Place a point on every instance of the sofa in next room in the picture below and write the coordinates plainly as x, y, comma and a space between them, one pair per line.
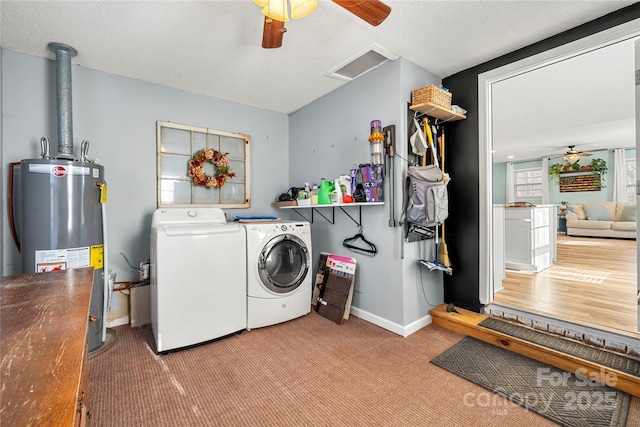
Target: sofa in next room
602, 219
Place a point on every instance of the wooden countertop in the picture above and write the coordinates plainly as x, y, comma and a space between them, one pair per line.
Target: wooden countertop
43, 326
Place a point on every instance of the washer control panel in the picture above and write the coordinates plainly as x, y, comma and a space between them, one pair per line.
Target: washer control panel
290, 227
166, 216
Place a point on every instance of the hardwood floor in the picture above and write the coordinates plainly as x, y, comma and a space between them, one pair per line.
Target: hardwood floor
592, 283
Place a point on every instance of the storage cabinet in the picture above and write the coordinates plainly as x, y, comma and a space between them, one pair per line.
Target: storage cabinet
530, 238
44, 348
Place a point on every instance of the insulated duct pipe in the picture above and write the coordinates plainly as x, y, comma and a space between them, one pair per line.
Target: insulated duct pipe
64, 54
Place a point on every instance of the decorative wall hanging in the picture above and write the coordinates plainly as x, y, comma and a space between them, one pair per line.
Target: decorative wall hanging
575, 183
215, 158
202, 167
596, 171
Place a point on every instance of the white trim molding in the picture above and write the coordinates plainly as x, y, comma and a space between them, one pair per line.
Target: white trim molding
403, 331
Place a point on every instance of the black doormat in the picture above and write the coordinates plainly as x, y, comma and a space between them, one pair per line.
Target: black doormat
602, 357
559, 396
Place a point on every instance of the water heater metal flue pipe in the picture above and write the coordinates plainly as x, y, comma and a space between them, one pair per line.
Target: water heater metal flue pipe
64, 54
61, 207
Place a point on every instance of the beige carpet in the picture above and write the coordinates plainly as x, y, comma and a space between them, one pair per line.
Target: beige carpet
306, 372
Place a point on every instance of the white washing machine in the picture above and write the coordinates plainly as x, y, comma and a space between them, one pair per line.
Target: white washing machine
198, 277
279, 282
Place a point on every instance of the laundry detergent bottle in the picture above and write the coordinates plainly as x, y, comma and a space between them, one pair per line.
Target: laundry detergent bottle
324, 193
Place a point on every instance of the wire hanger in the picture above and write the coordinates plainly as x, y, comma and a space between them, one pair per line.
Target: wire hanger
359, 244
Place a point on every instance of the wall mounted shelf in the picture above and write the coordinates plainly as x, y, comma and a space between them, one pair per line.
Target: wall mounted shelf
583, 170
437, 111
317, 209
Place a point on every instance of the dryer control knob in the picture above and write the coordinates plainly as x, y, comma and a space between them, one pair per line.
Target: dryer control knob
283, 227
192, 214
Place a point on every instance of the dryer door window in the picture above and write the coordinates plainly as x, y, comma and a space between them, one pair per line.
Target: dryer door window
283, 264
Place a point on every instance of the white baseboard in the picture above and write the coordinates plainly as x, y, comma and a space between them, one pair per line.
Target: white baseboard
417, 325
118, 322
403, 331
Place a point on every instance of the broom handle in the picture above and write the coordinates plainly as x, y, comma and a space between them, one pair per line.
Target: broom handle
424, 158
441, 137
434, 158
442, 148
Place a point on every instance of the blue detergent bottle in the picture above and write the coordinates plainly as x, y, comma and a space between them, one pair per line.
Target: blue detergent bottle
324, 193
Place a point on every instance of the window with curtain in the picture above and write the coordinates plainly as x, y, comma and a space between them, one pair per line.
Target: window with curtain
631, 179
527, 184
220, 180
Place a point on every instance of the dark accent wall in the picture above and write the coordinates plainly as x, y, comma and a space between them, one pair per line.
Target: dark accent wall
463, 225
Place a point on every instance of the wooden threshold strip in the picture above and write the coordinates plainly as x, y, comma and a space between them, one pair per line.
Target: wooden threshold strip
466, 322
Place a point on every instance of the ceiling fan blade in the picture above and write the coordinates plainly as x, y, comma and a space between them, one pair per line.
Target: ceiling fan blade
372, 11
272, 33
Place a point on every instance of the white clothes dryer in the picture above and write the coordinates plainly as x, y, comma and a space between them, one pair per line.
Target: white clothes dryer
279, 282
198, 277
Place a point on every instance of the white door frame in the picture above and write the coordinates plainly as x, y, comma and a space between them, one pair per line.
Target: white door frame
637, 83
613, 35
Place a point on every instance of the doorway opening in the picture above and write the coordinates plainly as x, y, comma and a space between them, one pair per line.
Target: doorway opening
539, 294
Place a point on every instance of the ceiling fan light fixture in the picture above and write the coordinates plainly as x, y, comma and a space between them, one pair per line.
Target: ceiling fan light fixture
302, 8
261, 3
276, 9
571, 157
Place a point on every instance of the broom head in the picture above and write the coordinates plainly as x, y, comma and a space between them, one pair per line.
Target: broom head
443, 255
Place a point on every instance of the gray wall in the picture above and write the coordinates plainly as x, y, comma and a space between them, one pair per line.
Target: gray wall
327, 139
118, 116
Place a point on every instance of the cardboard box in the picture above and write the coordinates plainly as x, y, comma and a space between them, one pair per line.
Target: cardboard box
372, 179
333, 289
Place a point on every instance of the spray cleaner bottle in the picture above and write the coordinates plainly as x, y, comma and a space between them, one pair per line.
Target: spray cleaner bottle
336, 194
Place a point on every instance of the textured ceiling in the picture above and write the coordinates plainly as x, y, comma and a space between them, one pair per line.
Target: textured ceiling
214, 47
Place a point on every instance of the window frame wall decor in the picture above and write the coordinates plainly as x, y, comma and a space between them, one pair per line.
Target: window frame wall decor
185, 152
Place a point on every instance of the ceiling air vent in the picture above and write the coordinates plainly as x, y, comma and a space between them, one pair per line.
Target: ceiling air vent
362, 62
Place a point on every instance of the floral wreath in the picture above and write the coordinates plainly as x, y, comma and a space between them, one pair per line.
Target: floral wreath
216, 158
